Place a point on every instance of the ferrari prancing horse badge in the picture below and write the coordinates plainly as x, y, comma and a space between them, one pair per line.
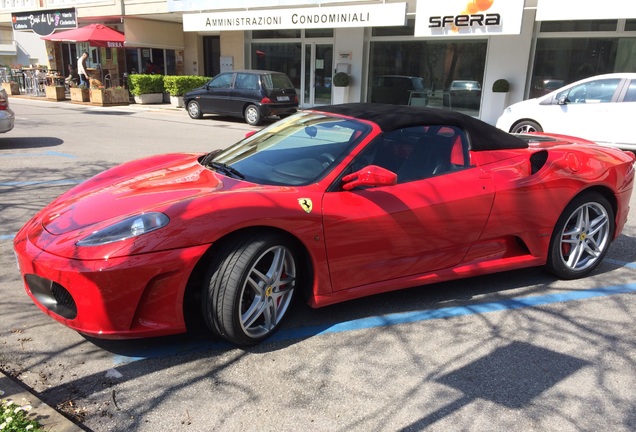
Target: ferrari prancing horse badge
306, 204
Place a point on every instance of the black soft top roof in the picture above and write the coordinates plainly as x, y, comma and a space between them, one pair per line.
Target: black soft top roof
482, 136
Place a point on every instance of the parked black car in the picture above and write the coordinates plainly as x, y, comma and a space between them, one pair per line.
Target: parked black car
251, 94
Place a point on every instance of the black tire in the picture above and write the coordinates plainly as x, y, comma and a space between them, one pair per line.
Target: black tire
194, 109
252, 115
250, 287
581, 237
526, 126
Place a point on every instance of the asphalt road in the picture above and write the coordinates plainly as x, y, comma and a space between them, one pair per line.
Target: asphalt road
512, 351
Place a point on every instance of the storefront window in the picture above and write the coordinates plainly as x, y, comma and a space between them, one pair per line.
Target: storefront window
279, 57
318, 33
451, 74
578, 26
275, 34
407, 30
570, 59
630, 25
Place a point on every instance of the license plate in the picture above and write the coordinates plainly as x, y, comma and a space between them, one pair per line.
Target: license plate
283, 98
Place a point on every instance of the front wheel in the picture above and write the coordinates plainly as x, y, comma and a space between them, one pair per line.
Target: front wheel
252, 115
250, 287
581, 237
526, 126
194, 110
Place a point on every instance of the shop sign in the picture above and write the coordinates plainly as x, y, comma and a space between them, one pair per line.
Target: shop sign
565, 10
44, 23
468, 17
376, 15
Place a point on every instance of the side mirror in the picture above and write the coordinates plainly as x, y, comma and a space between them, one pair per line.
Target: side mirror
563, 99
371, 175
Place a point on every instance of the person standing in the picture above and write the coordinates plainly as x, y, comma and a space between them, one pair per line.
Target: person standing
81, 69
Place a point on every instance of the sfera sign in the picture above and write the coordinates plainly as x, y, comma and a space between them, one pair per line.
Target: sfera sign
365, 15
468, 17
465, 20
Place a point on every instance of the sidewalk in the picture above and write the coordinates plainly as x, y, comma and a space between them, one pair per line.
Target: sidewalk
49, 418
66, 102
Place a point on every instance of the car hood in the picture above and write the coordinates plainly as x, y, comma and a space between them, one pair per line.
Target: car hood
133, 188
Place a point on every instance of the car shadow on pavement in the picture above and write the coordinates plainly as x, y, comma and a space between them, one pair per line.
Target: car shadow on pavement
9, 142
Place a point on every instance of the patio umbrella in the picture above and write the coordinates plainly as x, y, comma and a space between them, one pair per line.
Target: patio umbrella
96, 35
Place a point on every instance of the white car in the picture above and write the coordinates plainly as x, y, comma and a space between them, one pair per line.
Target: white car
7, 118
600, 108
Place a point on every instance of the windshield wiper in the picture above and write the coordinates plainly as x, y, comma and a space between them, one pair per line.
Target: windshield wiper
226, 169
208, 157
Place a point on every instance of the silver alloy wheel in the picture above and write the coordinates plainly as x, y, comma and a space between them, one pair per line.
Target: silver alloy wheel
193, 110
585, 236
252, 116
267, 291
525, 128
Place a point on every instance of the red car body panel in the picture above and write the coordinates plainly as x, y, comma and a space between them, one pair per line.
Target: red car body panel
491, 217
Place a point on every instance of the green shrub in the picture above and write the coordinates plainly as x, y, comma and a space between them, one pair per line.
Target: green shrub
501, 86
341, 79
178, 85
143, 84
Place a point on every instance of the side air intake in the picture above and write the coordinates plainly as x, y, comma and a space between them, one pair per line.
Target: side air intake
537, 160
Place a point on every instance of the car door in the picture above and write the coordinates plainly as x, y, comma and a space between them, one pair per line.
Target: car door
619, 116
217, 95
246, 90
424, 223
584, 110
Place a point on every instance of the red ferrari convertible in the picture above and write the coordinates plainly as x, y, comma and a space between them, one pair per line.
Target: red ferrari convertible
334, 203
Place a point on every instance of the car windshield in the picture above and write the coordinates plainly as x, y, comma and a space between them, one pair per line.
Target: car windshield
297, 151
277, 81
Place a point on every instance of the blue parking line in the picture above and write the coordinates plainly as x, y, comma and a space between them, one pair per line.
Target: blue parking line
284, 335
7, 237
44, 154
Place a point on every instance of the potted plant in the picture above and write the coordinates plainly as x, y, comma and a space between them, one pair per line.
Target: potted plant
79, 93
109, 96
146, 88
55, 92
177, 86
501, 86
498, 101
341, 79
11, 87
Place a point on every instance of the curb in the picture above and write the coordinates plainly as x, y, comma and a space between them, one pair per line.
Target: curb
145, 107
50, 419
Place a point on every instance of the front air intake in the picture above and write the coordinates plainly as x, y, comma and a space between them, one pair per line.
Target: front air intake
538, 160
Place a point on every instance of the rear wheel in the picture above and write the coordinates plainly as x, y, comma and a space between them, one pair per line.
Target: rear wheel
526, 126
194, 110
250, 287
581, 237
252, 115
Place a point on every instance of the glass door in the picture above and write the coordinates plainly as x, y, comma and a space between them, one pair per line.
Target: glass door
318, 67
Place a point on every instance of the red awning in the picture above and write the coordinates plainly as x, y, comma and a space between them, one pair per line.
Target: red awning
97, 35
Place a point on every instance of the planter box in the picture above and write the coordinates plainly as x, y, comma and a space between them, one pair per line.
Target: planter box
12, 88
176, 101
149, 98
80, 94
56, 93
110, 96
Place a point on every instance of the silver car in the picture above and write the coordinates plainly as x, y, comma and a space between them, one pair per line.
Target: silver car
7, 117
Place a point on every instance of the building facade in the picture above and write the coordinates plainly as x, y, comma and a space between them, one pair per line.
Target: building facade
418, 52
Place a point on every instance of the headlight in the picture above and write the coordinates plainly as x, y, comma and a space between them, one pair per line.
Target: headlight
132, 227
